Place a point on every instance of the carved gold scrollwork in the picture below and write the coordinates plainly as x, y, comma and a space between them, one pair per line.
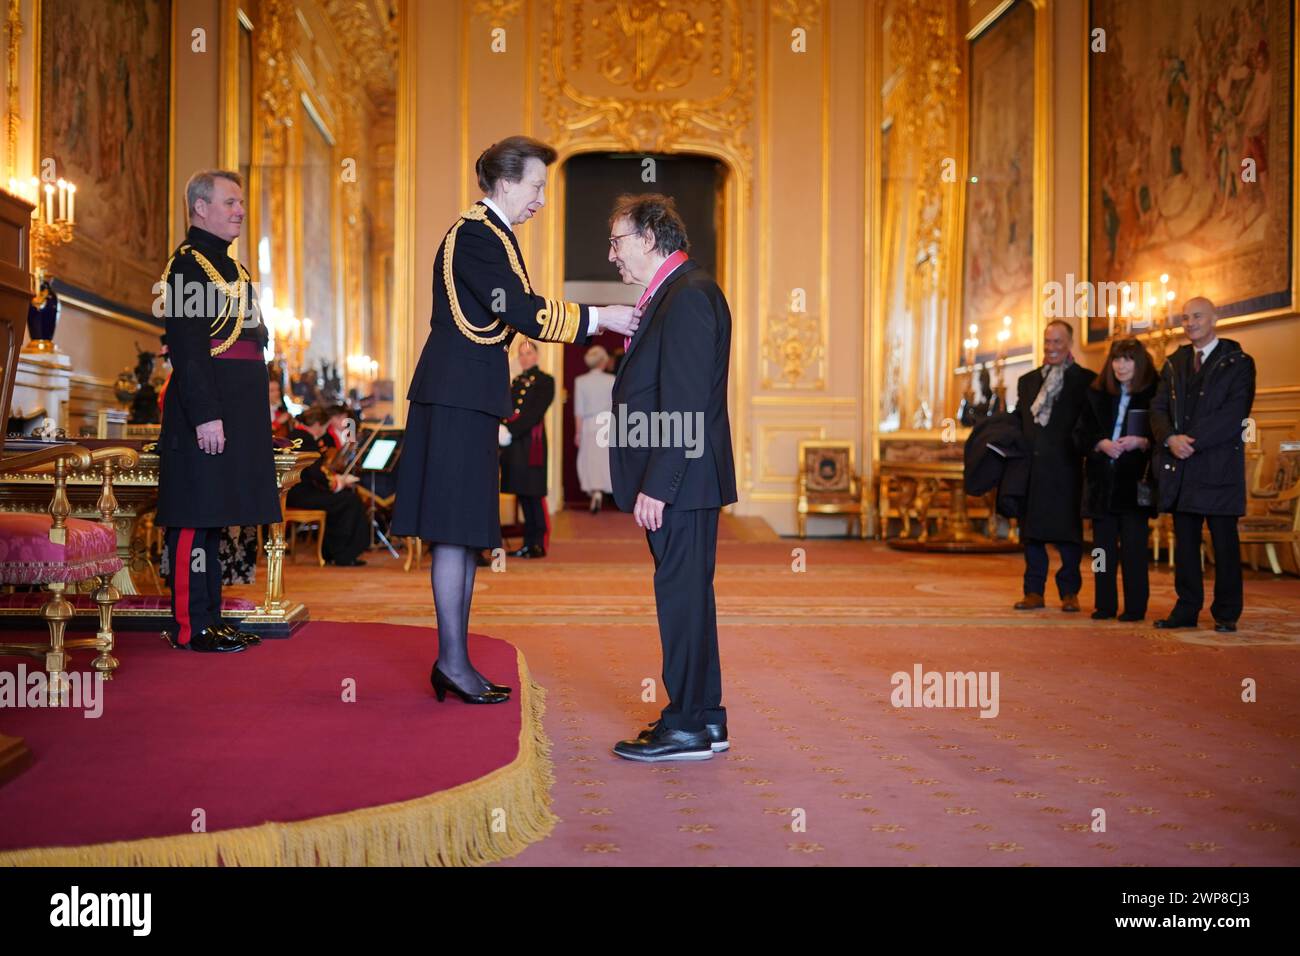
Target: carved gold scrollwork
607, 76
799, 13
649, 46
497, 12
793, 343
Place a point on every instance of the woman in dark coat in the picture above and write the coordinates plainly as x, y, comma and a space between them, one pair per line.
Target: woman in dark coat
447, 480
1114, 432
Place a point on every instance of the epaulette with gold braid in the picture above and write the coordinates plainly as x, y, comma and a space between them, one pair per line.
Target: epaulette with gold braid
558, 319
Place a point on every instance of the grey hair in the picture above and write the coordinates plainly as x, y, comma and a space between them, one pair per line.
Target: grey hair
201, 183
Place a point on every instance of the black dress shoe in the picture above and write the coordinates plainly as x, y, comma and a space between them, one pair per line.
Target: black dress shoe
717, 735
211, 640
350, 563
442, 683
1100, 615
666, 744
1225, 627
532, 551
248, 637
482, 560
518, 553
1133, 616
1169, 623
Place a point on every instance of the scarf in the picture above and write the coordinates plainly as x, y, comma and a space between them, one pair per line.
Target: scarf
1052, 382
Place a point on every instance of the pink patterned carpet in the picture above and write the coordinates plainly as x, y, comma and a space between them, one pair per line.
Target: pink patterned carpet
1146, 726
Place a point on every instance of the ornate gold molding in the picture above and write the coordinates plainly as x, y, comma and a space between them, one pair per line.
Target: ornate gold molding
367, 38
278, 92
13, 118
798, 12
587, 92
497, 12
793, 342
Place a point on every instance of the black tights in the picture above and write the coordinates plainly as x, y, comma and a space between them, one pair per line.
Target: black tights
452, 575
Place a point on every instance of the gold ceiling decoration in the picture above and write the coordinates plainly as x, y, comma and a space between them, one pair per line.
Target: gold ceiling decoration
635, 73
367, 34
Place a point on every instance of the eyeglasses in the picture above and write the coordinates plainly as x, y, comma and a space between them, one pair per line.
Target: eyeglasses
613, 240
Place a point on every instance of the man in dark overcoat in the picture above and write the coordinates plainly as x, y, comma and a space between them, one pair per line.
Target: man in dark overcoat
1199, 418
1048, 402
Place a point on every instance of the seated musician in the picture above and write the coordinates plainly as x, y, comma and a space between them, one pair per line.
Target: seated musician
281, 419
347, 529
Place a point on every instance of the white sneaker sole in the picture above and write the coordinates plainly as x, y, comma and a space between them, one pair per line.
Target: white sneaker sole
719, 747
683, 755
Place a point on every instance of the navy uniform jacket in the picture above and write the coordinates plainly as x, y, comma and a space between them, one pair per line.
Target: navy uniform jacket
532, 393
237, 487
677, 363
464, 363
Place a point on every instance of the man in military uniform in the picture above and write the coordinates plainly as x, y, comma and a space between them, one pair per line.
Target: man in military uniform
216, 460
523, 461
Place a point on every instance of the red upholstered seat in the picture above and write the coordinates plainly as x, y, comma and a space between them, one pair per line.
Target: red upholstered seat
28, 556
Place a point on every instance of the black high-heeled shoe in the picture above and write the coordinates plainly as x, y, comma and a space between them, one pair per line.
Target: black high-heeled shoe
495, 688
442, 683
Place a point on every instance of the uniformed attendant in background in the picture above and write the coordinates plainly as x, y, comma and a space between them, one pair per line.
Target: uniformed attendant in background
216, 465
523, 461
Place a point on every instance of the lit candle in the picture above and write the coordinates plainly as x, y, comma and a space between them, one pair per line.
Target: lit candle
72, 204
63, 199
306, 330
1110, 314
49, 202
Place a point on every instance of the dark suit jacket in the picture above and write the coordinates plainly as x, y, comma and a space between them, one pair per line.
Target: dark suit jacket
461, 371
1056, 465
1213, 480
677, 363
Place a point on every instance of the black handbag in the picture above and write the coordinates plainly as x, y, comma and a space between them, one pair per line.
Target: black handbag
1146, 488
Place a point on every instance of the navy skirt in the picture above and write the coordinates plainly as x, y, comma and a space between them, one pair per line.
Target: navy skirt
448, 477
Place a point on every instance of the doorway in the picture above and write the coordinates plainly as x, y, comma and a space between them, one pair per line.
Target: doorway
592, 181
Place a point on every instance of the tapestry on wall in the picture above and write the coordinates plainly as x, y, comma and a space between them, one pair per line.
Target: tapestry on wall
104, 121
1190, 131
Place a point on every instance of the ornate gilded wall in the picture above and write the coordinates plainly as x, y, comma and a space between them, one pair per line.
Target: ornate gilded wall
774, 90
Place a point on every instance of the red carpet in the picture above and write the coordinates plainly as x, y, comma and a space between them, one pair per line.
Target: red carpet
260, 736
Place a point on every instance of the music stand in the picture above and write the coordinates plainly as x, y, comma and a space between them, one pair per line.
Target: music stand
378, 454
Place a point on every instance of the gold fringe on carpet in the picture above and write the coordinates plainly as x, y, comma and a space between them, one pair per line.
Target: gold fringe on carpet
482, 821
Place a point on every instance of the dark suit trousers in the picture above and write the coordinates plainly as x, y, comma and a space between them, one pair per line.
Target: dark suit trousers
1068, 579
195, 565
685, 550
534, 510
1188, 580
1122, 538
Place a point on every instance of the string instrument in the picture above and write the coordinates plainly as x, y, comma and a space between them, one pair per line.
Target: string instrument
342, 459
